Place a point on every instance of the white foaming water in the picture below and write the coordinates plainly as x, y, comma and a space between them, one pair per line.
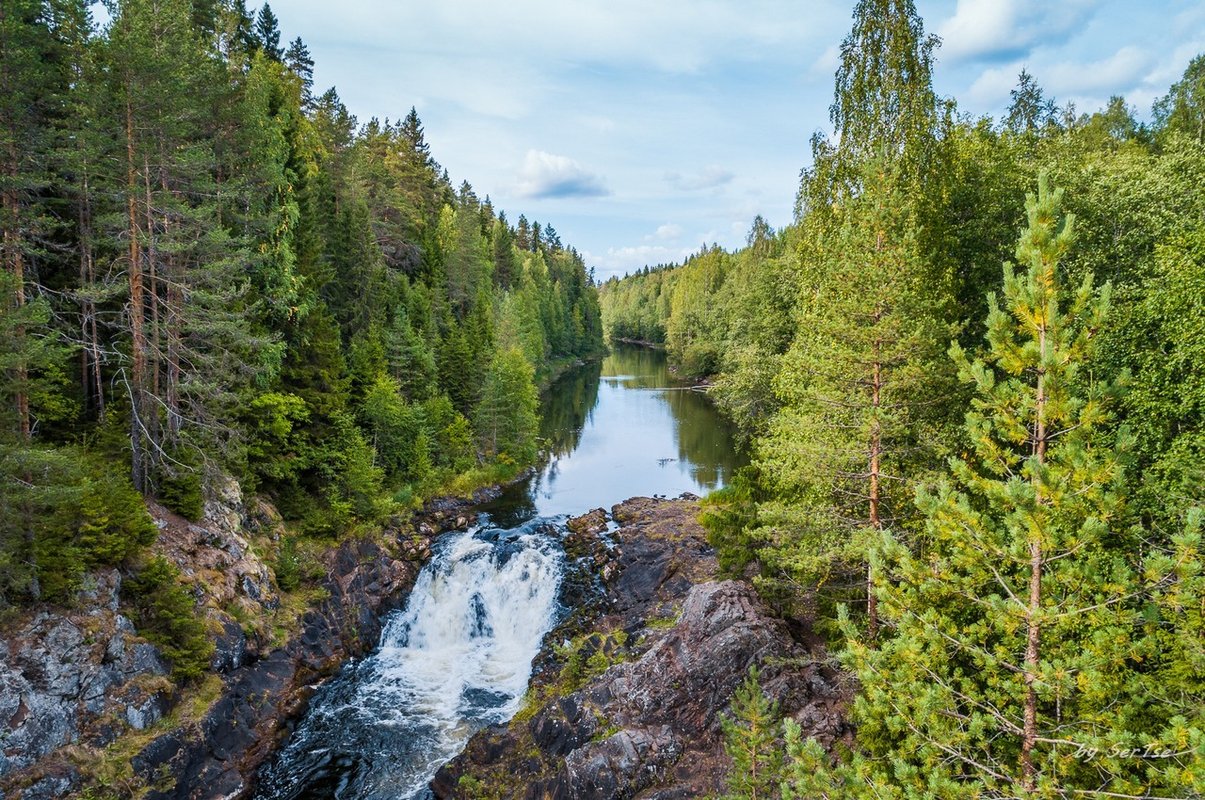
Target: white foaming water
458, 657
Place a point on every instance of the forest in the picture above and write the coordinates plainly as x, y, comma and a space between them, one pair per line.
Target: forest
210, 269
969, 373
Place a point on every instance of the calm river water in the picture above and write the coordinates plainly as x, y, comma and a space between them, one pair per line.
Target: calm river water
458, 656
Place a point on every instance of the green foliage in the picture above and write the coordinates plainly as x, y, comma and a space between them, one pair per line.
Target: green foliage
165, 613
1029, 643
858, 422
1182, 109
287, 566
179, 486
112, 518
752, 739
506, 419
62, 513
730, 517
587, 656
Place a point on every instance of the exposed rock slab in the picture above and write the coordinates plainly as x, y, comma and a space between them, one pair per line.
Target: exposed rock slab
628, 697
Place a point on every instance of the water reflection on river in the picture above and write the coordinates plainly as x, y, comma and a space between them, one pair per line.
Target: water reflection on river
624, 428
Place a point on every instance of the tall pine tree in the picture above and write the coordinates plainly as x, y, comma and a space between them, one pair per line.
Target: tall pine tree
1031, 639
860, 389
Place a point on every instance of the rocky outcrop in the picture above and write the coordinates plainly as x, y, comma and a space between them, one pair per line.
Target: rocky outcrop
215, 757
76, 676
628, 695
83, 677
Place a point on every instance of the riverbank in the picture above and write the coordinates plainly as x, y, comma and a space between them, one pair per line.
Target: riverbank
88, 704
639, 343
628, 692
142, 736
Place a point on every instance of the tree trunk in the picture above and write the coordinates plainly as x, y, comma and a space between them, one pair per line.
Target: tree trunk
876, 521
137, 312
1029, 731
90, 378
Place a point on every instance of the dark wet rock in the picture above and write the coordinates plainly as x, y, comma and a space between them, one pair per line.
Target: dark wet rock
246, 723
230, 647
665, 646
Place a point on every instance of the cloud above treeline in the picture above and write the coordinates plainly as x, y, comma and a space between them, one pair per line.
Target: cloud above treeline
695, 111
1003, 30
545, 175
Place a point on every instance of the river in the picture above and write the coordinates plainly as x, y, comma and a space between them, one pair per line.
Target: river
458, 656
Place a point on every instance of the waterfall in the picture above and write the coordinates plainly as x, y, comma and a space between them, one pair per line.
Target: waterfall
456, 658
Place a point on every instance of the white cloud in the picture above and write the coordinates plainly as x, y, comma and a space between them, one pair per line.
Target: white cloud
712, 177
545, 175
1086, 84
1007, 29
991, 88
618, 260
667, 232
826, 65
1113, 74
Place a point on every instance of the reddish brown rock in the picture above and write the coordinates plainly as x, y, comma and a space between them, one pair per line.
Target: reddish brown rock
632, 706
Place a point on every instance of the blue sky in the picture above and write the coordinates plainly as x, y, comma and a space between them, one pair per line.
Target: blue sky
643, 129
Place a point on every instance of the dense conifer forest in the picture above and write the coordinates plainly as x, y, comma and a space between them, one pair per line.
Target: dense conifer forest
211, 269
969, 372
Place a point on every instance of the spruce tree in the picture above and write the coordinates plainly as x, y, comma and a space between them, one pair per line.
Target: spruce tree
267, 33
1031, 648
860, 389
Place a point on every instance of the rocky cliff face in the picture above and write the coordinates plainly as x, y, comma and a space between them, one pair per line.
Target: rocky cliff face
628, 695
74, 681
76, 676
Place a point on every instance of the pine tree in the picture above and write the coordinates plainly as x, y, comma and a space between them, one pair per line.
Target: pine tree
186, 326
752, 740
298, 59
1029, 652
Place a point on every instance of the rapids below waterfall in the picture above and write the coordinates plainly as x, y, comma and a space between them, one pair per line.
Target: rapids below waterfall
458, 656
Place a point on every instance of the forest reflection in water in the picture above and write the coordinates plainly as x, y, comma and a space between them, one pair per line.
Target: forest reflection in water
621, 428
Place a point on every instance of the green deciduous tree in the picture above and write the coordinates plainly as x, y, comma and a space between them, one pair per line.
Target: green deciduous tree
506, 418
1182, 109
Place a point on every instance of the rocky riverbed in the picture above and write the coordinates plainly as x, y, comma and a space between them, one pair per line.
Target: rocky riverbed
629, 690
625, 702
